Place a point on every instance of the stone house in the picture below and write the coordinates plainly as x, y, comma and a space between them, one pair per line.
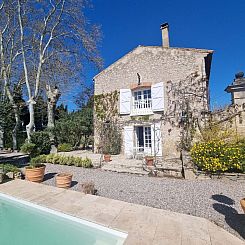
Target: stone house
157, 87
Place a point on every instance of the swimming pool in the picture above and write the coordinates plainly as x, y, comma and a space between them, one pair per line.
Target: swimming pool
24, 223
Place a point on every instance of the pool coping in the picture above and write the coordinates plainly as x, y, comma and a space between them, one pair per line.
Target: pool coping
102, 228
144, 225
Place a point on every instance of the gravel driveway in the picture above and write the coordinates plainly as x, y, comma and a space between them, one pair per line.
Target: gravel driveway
216, 200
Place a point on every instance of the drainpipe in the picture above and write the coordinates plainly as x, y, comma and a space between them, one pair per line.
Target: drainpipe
154, 136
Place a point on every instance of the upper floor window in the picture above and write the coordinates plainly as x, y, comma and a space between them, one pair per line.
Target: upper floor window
142, 102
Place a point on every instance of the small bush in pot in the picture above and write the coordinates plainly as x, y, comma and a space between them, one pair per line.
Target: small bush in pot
39, 159
35, 172
107, 157
106, 152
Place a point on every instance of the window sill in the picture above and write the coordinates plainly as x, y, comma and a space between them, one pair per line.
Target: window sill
141, 113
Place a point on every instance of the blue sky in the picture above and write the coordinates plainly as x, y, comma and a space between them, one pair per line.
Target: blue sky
209, 24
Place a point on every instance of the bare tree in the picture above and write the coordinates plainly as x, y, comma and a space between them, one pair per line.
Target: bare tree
9, 53
48, 30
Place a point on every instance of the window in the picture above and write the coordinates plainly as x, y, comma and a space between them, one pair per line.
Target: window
148, 137
142, 102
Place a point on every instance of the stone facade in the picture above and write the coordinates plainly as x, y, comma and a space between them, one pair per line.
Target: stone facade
183, 71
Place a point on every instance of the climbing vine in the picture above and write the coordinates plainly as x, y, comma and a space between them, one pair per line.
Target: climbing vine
106, 105
186, 106
106, 114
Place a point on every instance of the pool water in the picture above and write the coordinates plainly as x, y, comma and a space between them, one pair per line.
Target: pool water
23, 223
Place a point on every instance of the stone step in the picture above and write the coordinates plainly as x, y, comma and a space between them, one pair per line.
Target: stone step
120, 168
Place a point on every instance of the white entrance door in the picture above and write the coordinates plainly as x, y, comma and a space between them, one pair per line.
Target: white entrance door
128, 141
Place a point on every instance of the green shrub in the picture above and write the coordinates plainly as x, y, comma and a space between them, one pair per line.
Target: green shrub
218, 156
30, 148
55, 159
87, 163
49, 158
7, 167
65, 147
69, 160
39, 159
78, 162
63, 160
42, 142
35, 165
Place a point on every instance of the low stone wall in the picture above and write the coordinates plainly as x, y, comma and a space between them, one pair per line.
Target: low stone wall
228, 176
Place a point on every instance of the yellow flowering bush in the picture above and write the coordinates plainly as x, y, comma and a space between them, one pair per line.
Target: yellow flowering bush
218, 156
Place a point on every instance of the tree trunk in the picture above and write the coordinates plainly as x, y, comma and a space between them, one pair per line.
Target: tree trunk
30, 126
16, 128
53, 96
1, 138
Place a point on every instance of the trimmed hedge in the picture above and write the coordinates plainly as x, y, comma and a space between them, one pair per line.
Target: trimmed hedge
63, 160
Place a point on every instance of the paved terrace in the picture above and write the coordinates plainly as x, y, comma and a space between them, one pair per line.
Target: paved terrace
214, 199
144, 225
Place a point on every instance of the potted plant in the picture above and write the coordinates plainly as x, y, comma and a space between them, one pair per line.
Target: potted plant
106, 152
149, 160
35, 172
242, 202
63, 180
107, 156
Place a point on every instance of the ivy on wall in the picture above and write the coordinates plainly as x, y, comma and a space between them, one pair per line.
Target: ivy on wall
106, 105
106, 114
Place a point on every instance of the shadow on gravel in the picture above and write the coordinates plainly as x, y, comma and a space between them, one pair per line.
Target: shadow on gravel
73, 183
49, 176
223, 199
235, 220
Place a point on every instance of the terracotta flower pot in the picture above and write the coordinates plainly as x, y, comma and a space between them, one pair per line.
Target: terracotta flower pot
35, 174
107, 157
149, 161
243, 204
63, 180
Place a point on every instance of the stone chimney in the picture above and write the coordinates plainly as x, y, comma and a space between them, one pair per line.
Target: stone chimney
165, 35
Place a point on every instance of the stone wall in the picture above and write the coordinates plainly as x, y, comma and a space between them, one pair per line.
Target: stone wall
231, 117
183, 71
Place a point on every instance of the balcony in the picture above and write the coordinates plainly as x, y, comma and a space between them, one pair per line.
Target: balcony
142, 107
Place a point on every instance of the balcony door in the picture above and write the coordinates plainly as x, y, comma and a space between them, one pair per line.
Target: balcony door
143, 139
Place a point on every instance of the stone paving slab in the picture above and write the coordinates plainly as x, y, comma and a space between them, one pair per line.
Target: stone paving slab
144, 225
